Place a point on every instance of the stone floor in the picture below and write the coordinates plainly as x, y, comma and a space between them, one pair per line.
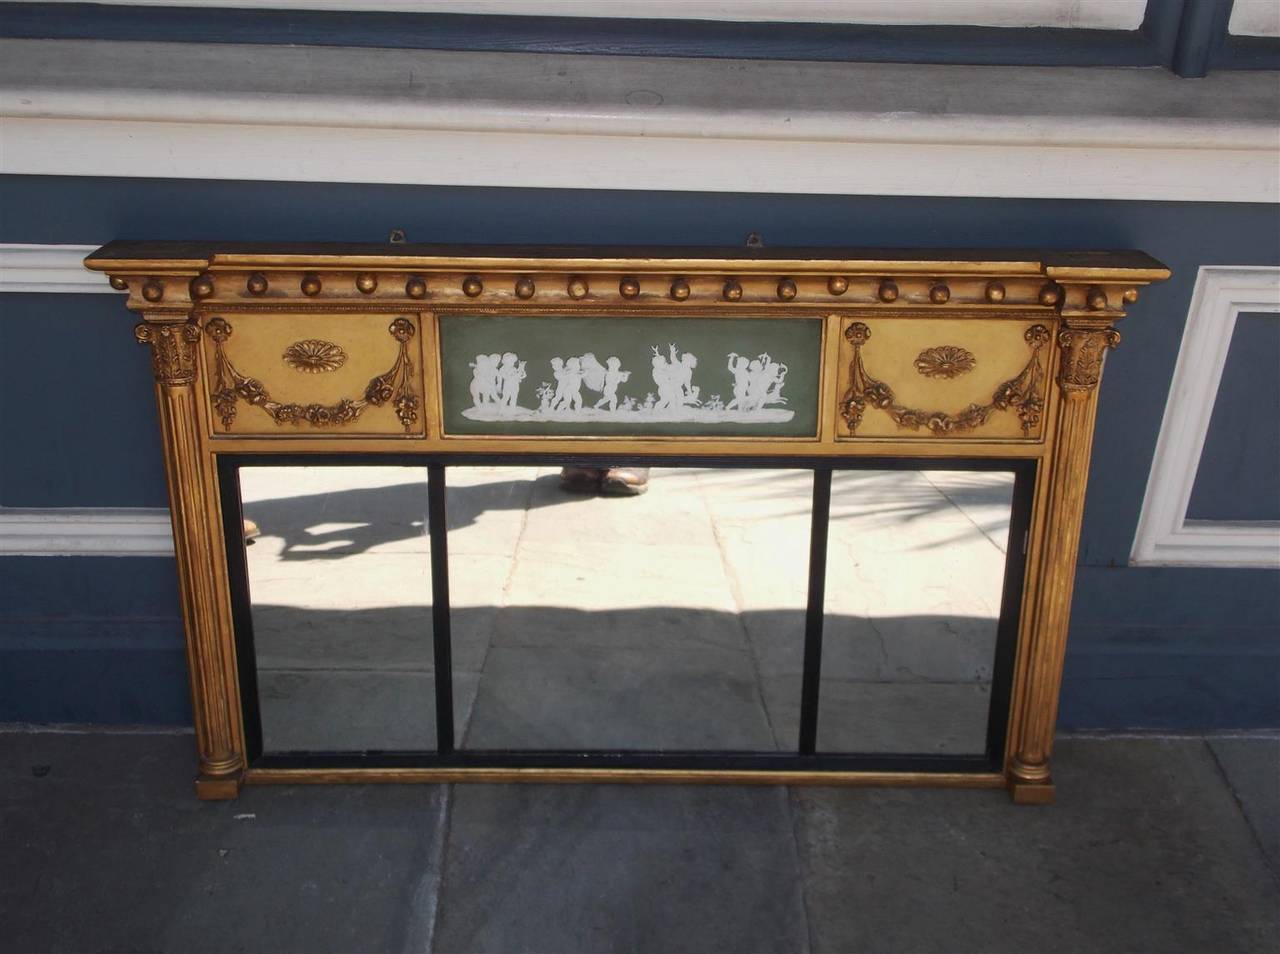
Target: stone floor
669, 621
1155, 845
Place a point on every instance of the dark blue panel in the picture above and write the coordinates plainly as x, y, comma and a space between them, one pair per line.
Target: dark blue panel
1247, 53
71, 588
1173, 648
1152, 45
77, 414
1193, 692
91, 640
118, 687
1239, 473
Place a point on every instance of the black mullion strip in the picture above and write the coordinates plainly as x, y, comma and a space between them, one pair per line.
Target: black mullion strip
241, 609
707, 761
818, 527
440, 617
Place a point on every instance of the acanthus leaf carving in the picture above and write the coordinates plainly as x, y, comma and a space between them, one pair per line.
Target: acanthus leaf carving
1082, 352
173, 349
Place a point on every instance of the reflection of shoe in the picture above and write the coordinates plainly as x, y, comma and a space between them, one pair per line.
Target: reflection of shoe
625, 481
251, 531
580, 480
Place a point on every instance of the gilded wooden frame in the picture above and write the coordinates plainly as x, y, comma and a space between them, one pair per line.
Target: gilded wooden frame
1075, 299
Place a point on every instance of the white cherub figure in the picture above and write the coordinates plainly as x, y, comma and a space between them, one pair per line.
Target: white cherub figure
738, 364
613, 376
484, 379
510, 374
569, 390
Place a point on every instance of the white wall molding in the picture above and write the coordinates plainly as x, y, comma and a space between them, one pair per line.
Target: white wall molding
49, 268
1254, 18
1165, 536
325, 114
100, 531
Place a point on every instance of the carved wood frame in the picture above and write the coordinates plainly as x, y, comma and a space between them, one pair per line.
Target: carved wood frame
178, 289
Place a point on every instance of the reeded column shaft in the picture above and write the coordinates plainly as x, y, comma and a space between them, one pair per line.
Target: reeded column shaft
197, 547
1063, 509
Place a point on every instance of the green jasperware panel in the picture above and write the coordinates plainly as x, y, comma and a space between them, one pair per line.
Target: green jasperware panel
669, 376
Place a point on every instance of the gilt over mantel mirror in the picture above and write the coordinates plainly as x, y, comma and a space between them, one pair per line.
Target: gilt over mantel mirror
852, 562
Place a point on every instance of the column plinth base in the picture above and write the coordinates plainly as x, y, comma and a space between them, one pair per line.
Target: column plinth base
219, 789
1031, 793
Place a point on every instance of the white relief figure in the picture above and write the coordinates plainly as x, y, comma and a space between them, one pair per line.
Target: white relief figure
613, 376
775, 374
568, 374
484, 379
510, 374
764, 383
674, 378
757, 385
738, 367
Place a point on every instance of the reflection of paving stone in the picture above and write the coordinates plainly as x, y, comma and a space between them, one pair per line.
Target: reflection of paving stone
665, 610
868, 717
929, 718
393, 637
346, 711
949, 648
1143, 852
548, 698
620, 868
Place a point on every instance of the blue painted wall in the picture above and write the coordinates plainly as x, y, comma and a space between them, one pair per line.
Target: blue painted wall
1173, 648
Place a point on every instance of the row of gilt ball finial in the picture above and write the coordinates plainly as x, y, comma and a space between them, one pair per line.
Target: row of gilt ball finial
629, 288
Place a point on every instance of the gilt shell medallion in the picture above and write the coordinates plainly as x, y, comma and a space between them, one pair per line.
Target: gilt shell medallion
945, 361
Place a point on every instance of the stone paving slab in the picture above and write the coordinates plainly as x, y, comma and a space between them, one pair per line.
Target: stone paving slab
1144, 851
104, 848
1252, 767
606, 868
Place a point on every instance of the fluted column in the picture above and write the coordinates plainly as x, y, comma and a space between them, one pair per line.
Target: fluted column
175, 343
1083, 341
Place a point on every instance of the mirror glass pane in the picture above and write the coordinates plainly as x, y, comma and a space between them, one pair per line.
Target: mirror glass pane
668, 621
915, 573
339, 580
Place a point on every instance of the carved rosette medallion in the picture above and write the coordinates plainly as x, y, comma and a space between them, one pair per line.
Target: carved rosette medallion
945, 361
1025, 392
395, 386
173, 350
1082, 354
314, 356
